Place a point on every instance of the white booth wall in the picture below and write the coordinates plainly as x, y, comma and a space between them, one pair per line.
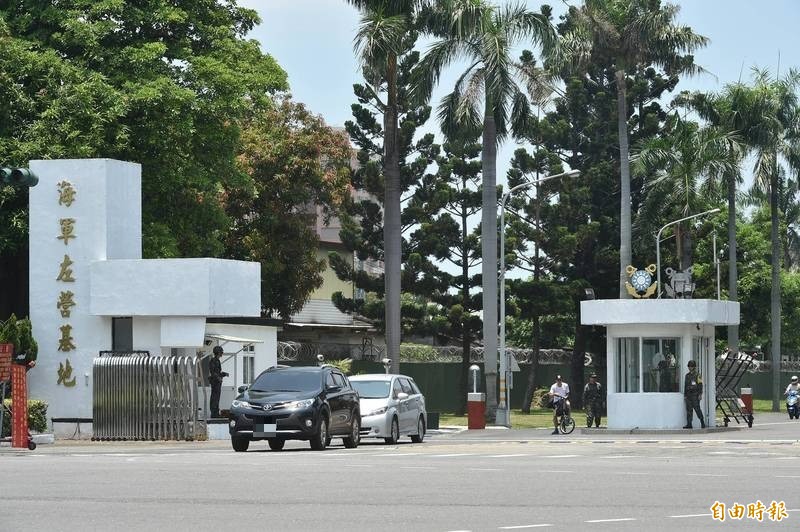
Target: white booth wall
659, 410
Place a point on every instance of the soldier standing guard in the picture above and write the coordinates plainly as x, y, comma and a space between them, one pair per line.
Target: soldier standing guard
593, 401
692, 390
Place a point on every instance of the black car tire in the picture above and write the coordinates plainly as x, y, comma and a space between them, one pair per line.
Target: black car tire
351, 442
275, 444
240, 445
420, 435
394, 432
320, 440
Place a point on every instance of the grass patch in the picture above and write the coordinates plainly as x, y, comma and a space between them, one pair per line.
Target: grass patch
541, 418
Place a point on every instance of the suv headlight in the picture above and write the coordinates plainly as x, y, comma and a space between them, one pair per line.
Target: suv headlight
379, 411
240, 404
305, 403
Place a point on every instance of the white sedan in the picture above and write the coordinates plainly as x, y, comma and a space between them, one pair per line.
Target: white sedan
391, 406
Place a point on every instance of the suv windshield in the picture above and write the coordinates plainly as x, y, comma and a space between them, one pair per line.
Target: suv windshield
287, 381
371, 389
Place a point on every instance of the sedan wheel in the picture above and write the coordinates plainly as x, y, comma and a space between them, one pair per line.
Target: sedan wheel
394, 434
420, 435
351, 442
320, 440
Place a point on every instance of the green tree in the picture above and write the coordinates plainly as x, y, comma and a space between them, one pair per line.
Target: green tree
451, 198
363, 228
484, 93
298, 166
629, 36
684, 168
771, 129
164, 83
384, 28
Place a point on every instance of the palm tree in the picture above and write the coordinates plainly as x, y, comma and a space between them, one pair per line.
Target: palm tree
484, 36
770, 114
688, 164
720, 112
378, 43
630, 35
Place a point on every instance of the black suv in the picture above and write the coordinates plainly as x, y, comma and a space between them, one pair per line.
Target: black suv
296, 403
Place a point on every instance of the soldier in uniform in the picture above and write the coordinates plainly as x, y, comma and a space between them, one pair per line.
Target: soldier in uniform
593, 401
215, 378
692, 391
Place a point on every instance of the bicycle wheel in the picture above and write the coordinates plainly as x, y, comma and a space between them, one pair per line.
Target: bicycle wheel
567, 424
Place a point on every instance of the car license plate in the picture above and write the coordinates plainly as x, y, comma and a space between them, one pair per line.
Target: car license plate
267, 429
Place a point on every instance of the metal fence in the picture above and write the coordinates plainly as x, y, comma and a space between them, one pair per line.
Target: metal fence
139, 397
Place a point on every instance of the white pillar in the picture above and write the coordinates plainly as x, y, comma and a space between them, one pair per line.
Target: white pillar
82, 210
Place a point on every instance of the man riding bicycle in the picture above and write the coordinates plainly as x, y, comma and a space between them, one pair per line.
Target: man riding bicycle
559, 392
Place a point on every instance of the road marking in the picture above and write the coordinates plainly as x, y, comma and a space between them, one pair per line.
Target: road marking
722, 452
611, 520
505, 455
787, 476
555, 471
617, 456
689, 515
482, 469
416, 467
704, 475
562, 456
523, 526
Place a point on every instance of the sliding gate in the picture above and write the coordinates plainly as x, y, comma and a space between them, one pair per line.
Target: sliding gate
142, 397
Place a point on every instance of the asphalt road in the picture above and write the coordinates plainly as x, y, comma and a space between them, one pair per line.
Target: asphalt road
474, 480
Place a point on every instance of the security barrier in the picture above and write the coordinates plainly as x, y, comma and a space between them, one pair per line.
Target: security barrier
139, 397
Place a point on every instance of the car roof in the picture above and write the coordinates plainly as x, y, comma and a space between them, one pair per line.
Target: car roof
377, 377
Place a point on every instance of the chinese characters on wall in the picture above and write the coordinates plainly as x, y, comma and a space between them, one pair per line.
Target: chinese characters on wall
66, 298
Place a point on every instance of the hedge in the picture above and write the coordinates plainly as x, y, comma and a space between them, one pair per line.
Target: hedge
37, 417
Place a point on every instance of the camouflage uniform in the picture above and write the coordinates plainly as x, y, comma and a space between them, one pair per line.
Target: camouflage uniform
593, 402
692, 390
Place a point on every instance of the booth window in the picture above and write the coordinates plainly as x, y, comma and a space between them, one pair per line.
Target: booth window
659, 364
628, 365
248, 369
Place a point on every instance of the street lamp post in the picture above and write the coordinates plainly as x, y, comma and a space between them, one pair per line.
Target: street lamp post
658, 244
503, 408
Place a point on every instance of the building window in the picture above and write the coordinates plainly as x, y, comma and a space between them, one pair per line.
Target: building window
628, 365
248, 369
122, 334
659, 364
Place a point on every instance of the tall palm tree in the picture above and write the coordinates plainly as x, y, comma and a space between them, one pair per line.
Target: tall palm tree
720, 112
770, 114
378, 43
485, 94
688, 164
629, 35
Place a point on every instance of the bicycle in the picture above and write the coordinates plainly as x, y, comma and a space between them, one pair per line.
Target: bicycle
566, 424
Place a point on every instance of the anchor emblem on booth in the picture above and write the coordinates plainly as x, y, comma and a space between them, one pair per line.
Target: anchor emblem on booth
641, 283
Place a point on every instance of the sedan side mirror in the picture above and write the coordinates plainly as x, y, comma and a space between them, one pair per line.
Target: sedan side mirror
402, 395
242, 389
333, 388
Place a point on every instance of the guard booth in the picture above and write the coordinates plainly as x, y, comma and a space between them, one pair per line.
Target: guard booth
649, 343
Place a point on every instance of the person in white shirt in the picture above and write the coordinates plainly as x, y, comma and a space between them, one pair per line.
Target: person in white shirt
794, 386
559, 392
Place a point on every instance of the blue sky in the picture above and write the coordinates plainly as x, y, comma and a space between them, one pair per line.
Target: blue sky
313, 41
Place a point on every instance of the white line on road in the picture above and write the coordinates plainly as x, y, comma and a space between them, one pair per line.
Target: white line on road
689, 515
562, 456
555, 471
617, 456
416, 467
704, 475
523, 526
483, 469
787, 476
505, 455
611, 520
